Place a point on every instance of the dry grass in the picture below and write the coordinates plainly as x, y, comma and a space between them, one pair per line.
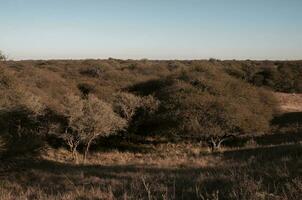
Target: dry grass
264, 167
161, 155
289, 102
169, 171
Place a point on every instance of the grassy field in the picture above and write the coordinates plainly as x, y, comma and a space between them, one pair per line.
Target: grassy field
162, 171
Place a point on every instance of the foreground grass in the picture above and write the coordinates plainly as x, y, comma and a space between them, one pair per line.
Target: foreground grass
169, 171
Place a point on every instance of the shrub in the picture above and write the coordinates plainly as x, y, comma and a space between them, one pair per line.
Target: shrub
21, 133
88, 119
145, 113
85, 89
126, 105
20, 128
281, 77
2, 56
134, 109
208, 104
95, 72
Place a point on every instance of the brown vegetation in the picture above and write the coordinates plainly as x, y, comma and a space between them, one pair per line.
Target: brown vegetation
2, 56
148, 126
203, 102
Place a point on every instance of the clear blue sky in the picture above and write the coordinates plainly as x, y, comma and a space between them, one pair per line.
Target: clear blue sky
154, 29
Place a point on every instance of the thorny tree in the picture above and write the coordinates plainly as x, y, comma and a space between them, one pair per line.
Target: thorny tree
89, 119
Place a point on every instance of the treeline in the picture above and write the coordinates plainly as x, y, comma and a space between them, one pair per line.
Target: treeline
74, 103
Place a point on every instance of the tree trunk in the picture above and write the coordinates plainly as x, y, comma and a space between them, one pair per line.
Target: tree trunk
87, 150
220, 142
73, 149
215, 145
75, 155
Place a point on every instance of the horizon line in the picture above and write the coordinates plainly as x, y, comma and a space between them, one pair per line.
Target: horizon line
152, 59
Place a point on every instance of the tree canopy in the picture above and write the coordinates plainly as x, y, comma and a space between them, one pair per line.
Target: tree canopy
207, 103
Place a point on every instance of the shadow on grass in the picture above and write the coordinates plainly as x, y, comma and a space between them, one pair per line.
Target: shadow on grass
259, 163
131, 143
57, 178
286, 119
287, 128
269, 139
275, 165
19, 131
268, 153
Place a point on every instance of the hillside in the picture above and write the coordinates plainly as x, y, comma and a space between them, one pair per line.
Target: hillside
148, 129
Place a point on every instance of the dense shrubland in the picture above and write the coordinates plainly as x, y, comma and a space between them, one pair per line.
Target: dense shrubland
209, 100
159, 112
278, 76
205, 103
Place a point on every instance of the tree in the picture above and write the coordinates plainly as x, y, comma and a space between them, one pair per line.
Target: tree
99, 120
210, 105
126, 105
20, 112
73, 134
89, 119
149, 106
2, 56
134, 109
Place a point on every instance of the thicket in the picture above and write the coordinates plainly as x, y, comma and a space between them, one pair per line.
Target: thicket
278, 76
209, 105
211, 100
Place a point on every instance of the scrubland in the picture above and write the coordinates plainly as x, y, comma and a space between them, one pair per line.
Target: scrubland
129, 129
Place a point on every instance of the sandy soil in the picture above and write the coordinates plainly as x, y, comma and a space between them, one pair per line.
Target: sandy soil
289, 102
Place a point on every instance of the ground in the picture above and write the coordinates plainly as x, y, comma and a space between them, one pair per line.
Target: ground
264, 167
289, 102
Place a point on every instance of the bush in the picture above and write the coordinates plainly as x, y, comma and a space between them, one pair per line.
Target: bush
281, 77
21, 132
2, 56
86, 89
126, 105
20, 109
95, 72
208, 104
88, 119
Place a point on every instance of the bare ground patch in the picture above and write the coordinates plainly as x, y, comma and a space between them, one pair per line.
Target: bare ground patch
289, 102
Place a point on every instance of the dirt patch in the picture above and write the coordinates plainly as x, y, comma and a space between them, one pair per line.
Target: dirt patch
289, 102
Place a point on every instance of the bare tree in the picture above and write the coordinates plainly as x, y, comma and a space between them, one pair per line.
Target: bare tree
99, 120
73, 140
73, 133
89, 119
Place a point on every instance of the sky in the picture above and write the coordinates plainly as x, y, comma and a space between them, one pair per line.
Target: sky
152, 29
